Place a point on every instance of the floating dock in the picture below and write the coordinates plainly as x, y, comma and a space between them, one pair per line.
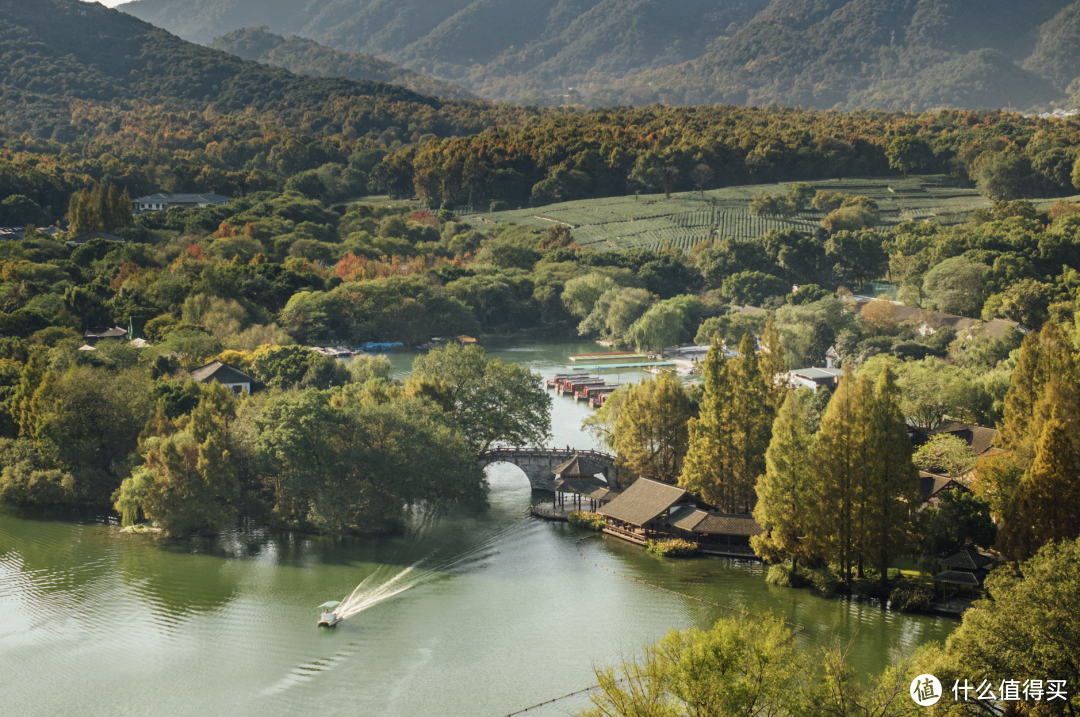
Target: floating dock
644, 364
606, 358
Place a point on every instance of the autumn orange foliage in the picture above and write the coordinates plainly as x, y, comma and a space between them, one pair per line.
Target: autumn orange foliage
127, 270
358, 268
426, 218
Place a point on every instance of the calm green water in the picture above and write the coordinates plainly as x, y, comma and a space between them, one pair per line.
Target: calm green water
500, 611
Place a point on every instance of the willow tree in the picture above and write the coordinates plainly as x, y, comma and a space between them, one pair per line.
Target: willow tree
785, 494
188, 481
650, 433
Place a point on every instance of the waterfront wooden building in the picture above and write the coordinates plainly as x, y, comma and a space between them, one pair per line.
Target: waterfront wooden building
966, 569
649, 510
715, 532
640, 512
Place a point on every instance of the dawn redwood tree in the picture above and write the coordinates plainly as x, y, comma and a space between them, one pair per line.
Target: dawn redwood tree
772, 363
650, 433
729, 438
840, 467
785, 493
892, 487
1047, 505
708, 472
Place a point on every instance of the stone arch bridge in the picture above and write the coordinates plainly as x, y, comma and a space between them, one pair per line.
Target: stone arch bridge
539, 463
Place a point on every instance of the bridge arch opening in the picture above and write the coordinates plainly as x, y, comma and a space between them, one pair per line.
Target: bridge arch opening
504, 475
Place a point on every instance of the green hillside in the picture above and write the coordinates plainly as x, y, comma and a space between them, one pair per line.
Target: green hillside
649, 221
306, 57
887, 54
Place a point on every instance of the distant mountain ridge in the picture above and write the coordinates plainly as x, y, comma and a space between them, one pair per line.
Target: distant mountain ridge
887, 54
307, 57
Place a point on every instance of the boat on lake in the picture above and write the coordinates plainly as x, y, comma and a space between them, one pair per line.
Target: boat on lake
327, 615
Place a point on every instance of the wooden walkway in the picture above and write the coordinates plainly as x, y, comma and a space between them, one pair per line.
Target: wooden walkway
546, 512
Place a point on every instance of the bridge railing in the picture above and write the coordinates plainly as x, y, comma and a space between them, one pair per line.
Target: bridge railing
543, 452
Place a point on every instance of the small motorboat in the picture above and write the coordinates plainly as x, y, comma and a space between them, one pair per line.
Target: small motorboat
327, 615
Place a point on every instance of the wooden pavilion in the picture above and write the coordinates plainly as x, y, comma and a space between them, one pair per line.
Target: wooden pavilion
577, 480
967, 568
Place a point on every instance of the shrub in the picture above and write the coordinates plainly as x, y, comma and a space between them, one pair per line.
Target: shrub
585, 519
781, 574
911, 598
670, 548
823, 580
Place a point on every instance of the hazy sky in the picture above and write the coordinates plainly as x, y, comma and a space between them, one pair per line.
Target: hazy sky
111, 3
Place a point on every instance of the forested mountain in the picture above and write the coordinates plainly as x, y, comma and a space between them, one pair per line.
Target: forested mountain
80, 51
307, 57
888, 54
89, 94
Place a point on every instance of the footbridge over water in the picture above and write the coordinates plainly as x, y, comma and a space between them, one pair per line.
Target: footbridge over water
539, 463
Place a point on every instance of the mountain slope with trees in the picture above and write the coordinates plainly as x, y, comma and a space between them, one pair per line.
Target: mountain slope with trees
887, 54
306, 57
79, 51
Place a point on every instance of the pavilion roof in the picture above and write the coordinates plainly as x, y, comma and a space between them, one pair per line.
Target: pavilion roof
958, 577
710, 523
966, 560
578, 466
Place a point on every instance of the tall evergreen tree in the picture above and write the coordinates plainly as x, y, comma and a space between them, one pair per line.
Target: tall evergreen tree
838, 464
894, 484
1043, 385
22, 402
81, 218
773, 364
708, 471
118, 210
863, 478
1047, 505
651, 430
752, 417
785, 494
729, 438
1043, 355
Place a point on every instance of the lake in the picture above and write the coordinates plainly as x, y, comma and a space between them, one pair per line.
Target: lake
476, 615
